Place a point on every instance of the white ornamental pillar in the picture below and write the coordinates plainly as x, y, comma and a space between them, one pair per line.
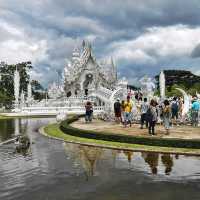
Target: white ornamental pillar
29, 95
16, 87
162, 84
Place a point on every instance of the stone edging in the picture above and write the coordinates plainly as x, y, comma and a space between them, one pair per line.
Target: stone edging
150, 141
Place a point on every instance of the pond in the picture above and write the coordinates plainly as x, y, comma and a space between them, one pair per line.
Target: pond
52, 170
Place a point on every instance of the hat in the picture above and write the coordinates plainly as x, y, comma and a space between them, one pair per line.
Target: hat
118, 99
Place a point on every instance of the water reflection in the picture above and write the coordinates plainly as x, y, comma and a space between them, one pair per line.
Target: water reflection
85, 156
152, 160
167, 161
16, 127
128, 154
53, 171
12, 127
6, 129
88, 157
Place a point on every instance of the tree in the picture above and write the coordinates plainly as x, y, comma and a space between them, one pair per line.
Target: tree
38, 91
7, 82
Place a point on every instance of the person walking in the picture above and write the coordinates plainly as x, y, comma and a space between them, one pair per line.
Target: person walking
166, 114
117, 110
88, 111
144, 108
127, 108
195, 112
152, 116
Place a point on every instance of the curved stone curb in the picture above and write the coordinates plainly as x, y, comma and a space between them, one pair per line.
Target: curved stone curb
150, 141
41, 131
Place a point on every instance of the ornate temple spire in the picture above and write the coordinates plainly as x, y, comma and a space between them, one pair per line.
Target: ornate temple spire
113, 68
83, 43
76, 52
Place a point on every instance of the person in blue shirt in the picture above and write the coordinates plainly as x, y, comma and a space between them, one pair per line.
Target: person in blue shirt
195, 112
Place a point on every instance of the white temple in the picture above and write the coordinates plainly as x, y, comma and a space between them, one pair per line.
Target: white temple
83, 74
84, 78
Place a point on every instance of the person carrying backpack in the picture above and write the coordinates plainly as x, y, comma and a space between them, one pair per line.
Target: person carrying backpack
174, 109
152, 116
117, 110
195, 112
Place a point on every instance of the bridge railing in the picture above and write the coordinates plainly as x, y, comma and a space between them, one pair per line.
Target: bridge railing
75, 109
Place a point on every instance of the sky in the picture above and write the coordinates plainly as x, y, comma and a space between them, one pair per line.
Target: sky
142, 36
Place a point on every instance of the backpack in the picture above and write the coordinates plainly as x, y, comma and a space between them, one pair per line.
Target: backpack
149, 115
174, 106
144, 108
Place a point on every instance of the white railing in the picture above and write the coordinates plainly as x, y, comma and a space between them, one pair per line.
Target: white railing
51, 110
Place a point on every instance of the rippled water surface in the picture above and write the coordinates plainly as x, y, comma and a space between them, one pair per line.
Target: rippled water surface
53, 170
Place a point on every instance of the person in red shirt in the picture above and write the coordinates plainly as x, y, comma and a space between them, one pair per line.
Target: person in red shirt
88, 111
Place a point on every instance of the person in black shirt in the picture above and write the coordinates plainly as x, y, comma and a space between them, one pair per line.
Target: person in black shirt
117, 110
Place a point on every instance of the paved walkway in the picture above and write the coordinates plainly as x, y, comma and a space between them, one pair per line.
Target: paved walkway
184, 132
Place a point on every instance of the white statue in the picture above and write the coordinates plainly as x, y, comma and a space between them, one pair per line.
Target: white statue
22, 99
162, 84
16, 87
147, 86
187, 102
29, 89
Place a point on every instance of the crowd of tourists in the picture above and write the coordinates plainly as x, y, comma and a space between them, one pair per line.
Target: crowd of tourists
167, 112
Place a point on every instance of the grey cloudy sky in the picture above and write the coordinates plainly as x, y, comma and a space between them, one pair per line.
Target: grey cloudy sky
143, 36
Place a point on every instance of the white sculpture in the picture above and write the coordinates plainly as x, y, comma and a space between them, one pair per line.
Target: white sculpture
147, 86
55, 90
22, 99
29, 95
16, 87
61, 116
186, 106
162, 84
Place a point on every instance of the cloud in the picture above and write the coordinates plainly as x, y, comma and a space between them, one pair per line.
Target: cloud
142, 36
16, 47
170, 41
196, 51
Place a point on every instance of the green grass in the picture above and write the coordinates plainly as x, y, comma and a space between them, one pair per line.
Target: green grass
53, 130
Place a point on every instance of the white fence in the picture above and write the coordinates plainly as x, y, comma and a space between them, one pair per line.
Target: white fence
56, 110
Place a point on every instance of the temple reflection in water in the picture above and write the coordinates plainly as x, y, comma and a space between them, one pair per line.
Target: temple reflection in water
90, 158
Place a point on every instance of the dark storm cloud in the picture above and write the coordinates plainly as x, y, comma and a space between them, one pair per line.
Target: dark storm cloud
143, 36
